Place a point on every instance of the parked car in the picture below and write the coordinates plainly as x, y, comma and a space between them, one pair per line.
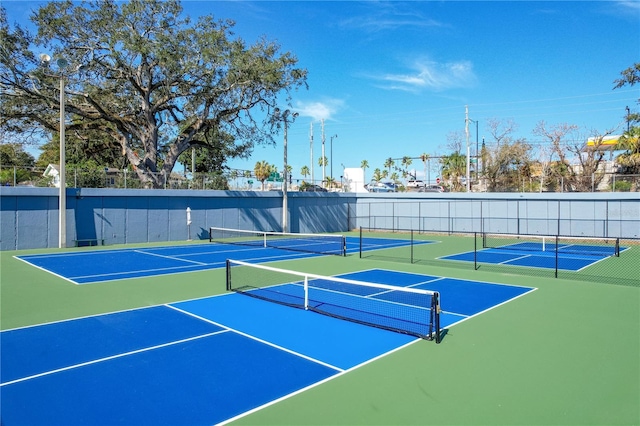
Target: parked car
381, 187
415, 184
432, 188
313, 188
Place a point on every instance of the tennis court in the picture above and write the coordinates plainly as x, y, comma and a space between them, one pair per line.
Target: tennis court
177, 348
90, 266
209, 360
569, 254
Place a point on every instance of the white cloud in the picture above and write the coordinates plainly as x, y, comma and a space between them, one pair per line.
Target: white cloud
431, 75
318, 110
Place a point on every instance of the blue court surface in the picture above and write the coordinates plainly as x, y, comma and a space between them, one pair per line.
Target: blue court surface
534, 255
85, 267
205, 361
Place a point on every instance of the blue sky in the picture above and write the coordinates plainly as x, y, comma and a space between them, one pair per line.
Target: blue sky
392, 79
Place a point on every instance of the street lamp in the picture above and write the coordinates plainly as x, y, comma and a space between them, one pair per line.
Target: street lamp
284, 117
331, 153
62, 197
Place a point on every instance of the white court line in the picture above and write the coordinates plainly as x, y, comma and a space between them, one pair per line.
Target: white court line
170, 257
95, 361
321, 382
282, 348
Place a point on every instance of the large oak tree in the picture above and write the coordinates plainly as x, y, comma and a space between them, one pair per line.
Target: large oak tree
145, 77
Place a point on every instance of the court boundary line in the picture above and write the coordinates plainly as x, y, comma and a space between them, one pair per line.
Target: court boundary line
108, 358
170, 257
339, 372
257, 339
142, 250
420, 242
46, 270
440, 277
522, 257
321, 382
467, 317
288, 257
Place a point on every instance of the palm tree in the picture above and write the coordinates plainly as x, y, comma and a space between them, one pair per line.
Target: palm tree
304, 171
394, 178
389, 163
288, 175
454, 166
630, 159
378, 175
262, 171
364, 165
330, 182
406, 162
322, 162
425, 159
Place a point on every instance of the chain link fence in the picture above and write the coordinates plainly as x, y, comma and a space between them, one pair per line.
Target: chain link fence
243, 180
582, 259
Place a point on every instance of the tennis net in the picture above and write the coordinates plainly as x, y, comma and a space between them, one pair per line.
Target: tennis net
592, 246
400, 309
308, 243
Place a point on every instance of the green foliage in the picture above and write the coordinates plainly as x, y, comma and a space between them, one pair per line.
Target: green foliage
152, 85
621, 186
9, 176
13, 154
262, 170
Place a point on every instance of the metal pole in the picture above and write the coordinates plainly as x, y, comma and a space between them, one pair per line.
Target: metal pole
311, 149
466, 130
324, 163
62, 208
285, 225
477, 159
334, 136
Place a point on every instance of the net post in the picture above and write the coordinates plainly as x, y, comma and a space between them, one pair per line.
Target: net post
344, 246
264, 239
557, 247
412, 246
228, 275
210, 235
306, 292
475, 251
617, 248
436, 310
360, 242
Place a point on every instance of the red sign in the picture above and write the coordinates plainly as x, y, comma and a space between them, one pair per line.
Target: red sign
437, 180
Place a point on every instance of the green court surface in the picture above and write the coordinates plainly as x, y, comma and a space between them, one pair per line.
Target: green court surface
566, 354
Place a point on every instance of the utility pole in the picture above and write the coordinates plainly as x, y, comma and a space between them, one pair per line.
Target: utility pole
323, 156
466, 131
311, 145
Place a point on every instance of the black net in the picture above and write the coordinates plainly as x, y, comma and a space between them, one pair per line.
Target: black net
404, 310
589, 246
308, 243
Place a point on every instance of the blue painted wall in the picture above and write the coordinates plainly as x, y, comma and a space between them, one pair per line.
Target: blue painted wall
29, 216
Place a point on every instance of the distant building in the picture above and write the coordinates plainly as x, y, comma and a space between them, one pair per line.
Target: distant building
603, 143
353, 180
53, 171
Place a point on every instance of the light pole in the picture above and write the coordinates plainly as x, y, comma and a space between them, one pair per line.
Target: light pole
62, 196
284, 117
476, 123
331, 153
